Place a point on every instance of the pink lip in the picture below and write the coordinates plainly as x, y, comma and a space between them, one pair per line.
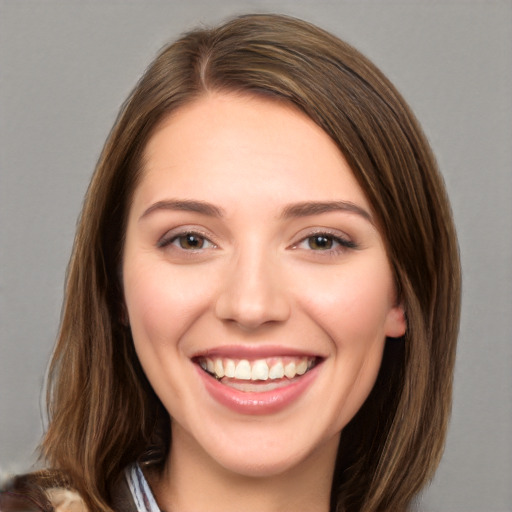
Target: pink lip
266, 402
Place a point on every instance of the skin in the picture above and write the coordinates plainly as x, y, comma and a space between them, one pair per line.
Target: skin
257, 278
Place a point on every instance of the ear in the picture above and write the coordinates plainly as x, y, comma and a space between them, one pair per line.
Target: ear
396, 323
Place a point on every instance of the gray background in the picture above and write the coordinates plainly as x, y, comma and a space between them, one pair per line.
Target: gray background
66, 66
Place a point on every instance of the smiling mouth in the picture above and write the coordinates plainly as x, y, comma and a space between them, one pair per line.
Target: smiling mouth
257, 375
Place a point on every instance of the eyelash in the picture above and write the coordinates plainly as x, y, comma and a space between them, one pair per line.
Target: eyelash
342, 243
336, 243
170, 240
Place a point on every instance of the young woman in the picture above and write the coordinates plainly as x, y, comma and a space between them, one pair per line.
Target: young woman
263, 299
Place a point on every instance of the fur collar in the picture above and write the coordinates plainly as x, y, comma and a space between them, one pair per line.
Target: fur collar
65, 500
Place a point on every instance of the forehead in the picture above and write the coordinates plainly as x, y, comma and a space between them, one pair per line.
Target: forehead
252, 146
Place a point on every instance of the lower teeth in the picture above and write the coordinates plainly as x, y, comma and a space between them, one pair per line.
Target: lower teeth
255, 387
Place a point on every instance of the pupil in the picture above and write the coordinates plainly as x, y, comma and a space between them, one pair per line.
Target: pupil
320, 242
191, 242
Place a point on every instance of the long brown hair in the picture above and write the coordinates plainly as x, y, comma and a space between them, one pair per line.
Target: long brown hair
103, 413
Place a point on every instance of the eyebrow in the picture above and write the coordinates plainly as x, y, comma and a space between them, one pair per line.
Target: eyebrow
185, 205
304, 209
316, 208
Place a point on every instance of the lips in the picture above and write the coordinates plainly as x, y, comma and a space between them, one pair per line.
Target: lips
254, 384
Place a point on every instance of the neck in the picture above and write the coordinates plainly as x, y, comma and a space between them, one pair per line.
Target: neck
192, 481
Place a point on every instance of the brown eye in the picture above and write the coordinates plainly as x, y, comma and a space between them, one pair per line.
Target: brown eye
320, 242
191, 241
186, 241
326, 242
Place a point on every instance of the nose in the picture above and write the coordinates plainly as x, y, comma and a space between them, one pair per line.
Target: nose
254, 293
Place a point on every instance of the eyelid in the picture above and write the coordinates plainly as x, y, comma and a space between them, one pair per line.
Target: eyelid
170, 236
343, 241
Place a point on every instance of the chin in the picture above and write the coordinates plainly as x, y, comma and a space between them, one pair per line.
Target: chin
267, 466
268, 449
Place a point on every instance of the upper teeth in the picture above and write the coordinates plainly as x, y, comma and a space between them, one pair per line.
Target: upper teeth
260, 369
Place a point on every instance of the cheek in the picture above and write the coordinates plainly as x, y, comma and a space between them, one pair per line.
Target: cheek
352, 305
161, 306
162, 303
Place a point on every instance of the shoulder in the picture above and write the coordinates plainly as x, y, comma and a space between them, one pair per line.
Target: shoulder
50, 500
50, 491
65, 500
37, 493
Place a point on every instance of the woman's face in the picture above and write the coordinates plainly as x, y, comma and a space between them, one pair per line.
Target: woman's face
257, 286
